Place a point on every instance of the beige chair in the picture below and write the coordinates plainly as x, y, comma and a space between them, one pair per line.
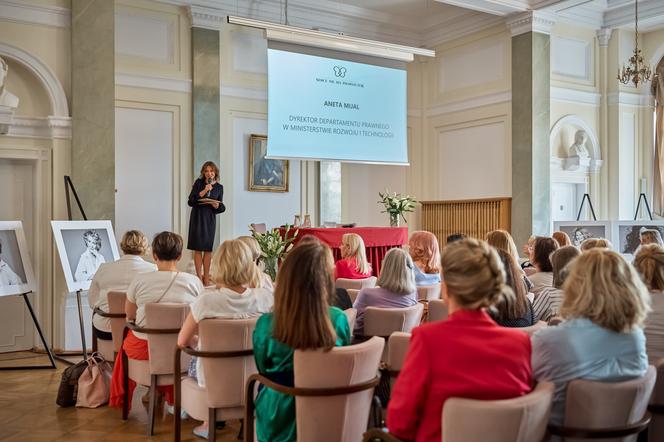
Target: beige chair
396, 354
162, 325
116, 313
226, 352
428, 292
609, 410
333, 392
356, 284
259, 227
352, 294
533, 328
385, 321
351, 315
521, 419
437, 310
656, 407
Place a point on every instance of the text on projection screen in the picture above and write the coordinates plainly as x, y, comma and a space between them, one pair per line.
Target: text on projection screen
329, 109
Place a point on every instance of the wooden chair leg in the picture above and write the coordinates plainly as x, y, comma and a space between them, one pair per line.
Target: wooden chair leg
240, 435
153, 400
212, 424
125, 384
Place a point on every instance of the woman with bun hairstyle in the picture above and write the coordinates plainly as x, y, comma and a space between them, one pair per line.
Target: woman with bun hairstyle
481, 360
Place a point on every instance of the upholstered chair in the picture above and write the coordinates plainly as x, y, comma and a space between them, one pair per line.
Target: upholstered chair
117, 315
437, 310
356, 284
396, 354
428, 292
379, 321
656, 407
351, 315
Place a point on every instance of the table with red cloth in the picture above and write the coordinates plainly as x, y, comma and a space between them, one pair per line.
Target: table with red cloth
377, 240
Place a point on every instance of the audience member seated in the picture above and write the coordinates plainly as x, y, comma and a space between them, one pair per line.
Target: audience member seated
233, 272
353, 263
595, 243
649, 262
527, 250
395, 287
513, 308
466, 356
540, 253
562, 238
264, 280
116, 276
650, 236
423, 248
547, 304
302, 320
454, 237
167, 284
502, 240
601, 338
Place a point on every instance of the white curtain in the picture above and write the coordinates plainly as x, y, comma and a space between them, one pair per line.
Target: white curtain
658, 176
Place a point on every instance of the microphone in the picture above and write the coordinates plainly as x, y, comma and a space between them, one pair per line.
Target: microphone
209, 181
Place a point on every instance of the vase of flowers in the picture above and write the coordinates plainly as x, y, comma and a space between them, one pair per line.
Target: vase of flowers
396, 205
274, 245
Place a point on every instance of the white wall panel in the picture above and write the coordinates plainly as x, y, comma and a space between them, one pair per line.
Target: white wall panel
571, 57
473, 64
249, 51
145, 37
626, 156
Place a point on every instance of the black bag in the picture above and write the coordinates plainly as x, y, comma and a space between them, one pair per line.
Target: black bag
68, 389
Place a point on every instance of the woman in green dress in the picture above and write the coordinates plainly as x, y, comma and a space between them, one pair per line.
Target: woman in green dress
302, 319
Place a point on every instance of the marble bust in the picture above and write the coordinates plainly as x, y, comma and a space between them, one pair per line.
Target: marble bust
579, 149
7, 99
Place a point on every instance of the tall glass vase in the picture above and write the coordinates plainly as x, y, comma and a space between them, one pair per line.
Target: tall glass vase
394, 219
270, 267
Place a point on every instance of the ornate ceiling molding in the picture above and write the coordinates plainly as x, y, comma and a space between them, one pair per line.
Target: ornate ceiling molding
532, 21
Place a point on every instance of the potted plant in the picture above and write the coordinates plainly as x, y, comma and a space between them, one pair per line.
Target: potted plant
274, 245
396, 205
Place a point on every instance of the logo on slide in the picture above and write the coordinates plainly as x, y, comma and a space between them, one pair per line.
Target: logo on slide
339, 71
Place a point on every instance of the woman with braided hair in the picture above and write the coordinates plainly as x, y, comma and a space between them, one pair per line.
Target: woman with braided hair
481, 360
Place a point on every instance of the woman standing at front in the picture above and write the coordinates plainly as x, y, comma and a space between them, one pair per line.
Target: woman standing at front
205, 201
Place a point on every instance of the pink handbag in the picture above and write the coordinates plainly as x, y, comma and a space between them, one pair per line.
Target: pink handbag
94, 384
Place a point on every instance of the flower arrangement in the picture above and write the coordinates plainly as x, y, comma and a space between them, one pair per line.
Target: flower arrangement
396, 205
274, 247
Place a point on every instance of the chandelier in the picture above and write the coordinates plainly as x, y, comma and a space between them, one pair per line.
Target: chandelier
636, 71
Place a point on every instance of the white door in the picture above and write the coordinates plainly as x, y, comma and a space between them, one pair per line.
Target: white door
17, 203
564, 206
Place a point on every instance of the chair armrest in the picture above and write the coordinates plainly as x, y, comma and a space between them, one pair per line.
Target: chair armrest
152, 331
99, 312
217, 354
656, 408
379, 435
601, 433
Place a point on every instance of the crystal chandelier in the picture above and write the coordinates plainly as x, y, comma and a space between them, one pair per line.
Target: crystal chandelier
636, 71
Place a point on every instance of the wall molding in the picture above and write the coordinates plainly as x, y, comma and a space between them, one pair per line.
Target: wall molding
40, 127
31, 14
575, 96
243, 92
206, 18
470, 103
630, 99
531, 21
153, 82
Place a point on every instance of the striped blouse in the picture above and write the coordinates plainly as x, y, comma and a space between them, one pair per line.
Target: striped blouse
547, 304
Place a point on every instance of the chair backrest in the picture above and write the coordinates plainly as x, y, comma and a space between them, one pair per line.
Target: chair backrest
356, 284
437, 310
228, 376
380, 321
341, 417
397, 349
352, 294
161, 347
656, 429
596, 405
116, 304
259, 227
522, 419
428, 292
351, 315
533, 328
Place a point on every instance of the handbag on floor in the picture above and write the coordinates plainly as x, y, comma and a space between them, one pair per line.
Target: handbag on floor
69, 385
94, 383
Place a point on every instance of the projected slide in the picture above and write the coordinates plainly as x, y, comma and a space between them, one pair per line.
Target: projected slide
322, 108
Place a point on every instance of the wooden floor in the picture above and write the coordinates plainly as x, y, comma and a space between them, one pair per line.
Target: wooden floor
28, 411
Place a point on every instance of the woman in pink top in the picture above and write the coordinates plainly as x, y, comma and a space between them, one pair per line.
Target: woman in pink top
353, 263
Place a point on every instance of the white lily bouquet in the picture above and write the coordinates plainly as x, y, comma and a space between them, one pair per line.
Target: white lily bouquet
274, 247
396, 205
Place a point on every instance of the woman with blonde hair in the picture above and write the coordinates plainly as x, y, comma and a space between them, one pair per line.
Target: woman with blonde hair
595, 243
230, 298
353, 263
649, 262
396, 287
424, 250
601, 339
502, 240
302, 320
480, 360
562, 238
650, 236
263, 280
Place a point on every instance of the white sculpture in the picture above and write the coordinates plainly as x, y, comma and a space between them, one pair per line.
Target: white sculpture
579, 149
7, 99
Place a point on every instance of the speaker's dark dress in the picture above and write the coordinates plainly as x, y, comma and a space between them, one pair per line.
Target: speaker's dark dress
203, 220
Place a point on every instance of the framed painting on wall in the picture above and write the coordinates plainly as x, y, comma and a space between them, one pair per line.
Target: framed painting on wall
265, 175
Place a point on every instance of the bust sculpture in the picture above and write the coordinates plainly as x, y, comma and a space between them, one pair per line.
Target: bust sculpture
7, 99
579, 149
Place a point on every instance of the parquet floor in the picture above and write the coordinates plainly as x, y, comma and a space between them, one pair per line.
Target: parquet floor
28, 411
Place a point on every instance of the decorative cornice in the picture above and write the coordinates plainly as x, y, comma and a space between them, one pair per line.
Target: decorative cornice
459, 28
40, 127
575, 96
630, 99
153, 82
471, 103
243, 92
206, 18
603, 36
532, 21
22, 12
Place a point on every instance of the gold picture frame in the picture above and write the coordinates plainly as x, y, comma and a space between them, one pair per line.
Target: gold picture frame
265, 175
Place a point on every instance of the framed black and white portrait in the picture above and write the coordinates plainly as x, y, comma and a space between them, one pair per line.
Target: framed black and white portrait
579, 231
265, 175
627, 234
83, 246
16, 276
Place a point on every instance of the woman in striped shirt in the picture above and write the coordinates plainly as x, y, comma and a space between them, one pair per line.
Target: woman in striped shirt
547, 304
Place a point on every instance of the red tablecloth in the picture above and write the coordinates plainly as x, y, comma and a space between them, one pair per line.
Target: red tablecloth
377, 240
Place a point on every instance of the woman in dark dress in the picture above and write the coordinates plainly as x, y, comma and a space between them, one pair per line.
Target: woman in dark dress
205, 201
